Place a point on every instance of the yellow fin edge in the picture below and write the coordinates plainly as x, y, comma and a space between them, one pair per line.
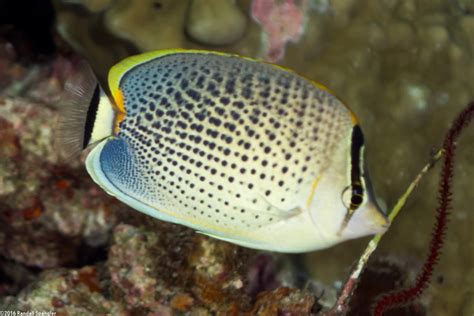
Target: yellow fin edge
118, 70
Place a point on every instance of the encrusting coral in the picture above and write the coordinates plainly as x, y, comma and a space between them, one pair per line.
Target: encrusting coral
215, 22
142, 22
282, 22
52, 216
48, 210
403, 66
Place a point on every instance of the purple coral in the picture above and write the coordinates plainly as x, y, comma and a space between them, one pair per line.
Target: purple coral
282, 22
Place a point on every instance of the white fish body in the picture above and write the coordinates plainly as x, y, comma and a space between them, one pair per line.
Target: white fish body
240, 150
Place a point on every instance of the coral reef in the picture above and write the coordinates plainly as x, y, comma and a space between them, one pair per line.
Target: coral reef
284, 301
48, 210
215, 22
51, 213
382, 276
94, 6
52, 217
113, 30
160, 269
442, 212
67, 292
282, 22
405, 67
141, 22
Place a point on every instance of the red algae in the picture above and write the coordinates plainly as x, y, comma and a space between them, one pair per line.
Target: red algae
282, 22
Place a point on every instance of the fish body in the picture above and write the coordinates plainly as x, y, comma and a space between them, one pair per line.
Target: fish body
238, 149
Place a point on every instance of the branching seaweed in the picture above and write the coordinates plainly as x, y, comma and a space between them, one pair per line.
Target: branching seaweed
439, 231
390, 300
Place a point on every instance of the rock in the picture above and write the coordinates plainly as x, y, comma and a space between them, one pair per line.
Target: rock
170, 268
382, 276
97, 46
148, 24
215, 22
284, 301
467, 28
400, 34
342, 10
437, 36
405, 10
94, 6
467, 307
51, 213
466, 5
455, 53
131, 265
68, 292
405, 92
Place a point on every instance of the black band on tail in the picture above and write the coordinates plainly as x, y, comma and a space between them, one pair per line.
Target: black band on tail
91, 115
356, 167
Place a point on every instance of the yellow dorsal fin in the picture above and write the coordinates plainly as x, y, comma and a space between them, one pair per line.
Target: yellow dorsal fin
118, 70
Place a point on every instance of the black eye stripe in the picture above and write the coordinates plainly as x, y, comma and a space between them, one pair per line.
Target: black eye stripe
357, 143
356, 199
91, 115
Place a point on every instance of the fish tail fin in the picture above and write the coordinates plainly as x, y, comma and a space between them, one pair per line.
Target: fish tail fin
86, 114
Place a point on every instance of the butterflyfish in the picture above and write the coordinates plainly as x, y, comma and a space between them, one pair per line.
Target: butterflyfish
235, 148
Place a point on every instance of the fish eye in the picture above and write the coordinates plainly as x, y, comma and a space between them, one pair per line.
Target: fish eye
352, 198
356, 199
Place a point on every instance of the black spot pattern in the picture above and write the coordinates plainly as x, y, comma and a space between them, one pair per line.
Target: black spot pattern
226, 141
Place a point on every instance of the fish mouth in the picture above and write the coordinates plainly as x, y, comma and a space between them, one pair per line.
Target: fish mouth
367, 220
370, 218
